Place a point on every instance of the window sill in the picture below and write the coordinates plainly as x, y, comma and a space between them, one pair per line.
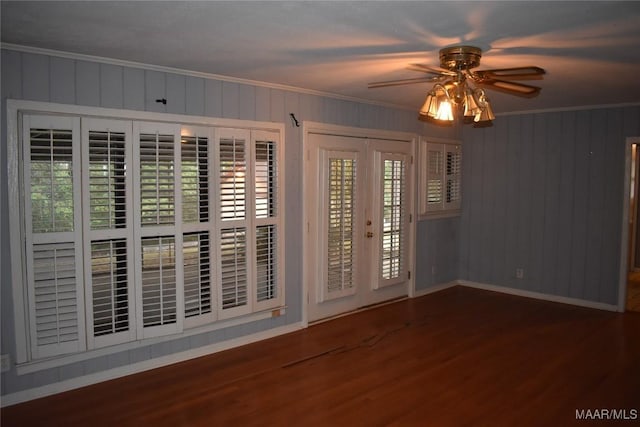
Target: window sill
54, 362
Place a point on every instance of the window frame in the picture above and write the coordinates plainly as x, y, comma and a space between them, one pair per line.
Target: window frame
16, 109
443, 209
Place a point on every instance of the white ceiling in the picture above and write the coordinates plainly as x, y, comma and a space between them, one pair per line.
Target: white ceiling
590, 50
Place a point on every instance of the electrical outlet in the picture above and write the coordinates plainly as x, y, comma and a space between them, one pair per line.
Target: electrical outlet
519, 273
6, 363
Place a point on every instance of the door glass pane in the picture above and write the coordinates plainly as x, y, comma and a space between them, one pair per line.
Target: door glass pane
341, 203
393, 219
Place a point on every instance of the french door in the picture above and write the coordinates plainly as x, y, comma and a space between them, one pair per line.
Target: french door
358, 204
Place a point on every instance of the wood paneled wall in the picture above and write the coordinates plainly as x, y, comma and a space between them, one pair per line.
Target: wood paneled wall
544, 192
437, 252
47, 78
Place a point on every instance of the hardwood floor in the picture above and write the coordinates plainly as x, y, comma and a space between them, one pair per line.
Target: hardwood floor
459, 357
633, 292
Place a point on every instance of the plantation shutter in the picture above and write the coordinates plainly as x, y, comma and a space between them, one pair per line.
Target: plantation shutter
339, 194
266, 217
51, 176
435, 178
393, 219
158, 225
442, 180
452, 194
235, 235
197, 182
108, 230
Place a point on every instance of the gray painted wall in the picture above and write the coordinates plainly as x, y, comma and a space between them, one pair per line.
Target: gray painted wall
544, 192
46, 78
437, 252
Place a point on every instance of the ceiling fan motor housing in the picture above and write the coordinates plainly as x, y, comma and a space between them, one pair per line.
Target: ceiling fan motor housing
458, 58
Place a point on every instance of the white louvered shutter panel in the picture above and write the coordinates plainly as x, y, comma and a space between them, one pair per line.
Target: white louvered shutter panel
233, 268
234, 258
392, 244
197, 274
339, 194
158, 227
435, 179
108, 231
53, 243
233, 154
267, 220
196, 184
452, 193
266, 263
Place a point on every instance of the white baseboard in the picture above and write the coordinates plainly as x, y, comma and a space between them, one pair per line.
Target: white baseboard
59, 387
435, 288
62, 386
538, 295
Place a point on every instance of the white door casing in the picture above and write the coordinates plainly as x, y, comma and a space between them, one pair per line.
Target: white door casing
358, 210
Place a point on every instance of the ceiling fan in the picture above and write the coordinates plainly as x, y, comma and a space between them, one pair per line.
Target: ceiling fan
452, 86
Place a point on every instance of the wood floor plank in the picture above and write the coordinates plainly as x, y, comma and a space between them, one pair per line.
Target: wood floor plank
459, 357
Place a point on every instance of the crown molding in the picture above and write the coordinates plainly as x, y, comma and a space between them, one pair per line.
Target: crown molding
229, 79
200, 74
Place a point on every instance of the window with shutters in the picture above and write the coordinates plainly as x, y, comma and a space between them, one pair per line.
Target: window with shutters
266, 219
249, 221
107, 229
197, 201
136, 229
51, 176
441, 178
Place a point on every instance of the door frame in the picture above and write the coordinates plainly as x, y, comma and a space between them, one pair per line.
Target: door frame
624, 244
309, 127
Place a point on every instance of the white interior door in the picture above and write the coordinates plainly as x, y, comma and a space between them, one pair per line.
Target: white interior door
358, 204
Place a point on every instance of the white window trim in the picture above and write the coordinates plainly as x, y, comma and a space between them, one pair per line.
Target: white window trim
423, 152
15, 109
380, 281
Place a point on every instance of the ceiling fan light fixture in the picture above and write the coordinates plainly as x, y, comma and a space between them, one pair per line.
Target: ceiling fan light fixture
486, 112
454, 99
471, 107
438, 105
429, 104
445, 110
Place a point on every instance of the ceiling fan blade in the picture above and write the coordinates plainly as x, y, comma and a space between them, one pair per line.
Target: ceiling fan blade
430, 69
404, 82
512, 88
517, 73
